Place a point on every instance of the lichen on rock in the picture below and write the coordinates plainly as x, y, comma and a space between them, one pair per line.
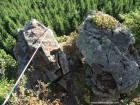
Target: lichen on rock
103, 21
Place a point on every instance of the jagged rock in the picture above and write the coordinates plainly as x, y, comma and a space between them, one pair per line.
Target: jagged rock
49, 63
114, 62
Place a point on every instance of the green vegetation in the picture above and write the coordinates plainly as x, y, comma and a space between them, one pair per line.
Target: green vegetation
8, 65
132, 22
28, 96
5, 88
104, 21
64, 17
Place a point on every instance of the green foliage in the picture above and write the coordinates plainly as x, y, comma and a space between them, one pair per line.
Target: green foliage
8, 65
62, 16
104, 21
87, 99
63, 38
132, 21
5, 88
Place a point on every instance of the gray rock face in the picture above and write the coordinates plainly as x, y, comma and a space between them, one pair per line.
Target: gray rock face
114, 62
50, 62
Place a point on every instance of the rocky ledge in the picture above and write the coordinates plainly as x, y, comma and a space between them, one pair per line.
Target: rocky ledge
108, 50
106, 46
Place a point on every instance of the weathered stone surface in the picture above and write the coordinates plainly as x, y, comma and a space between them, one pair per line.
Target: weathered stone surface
49, 63
113, 60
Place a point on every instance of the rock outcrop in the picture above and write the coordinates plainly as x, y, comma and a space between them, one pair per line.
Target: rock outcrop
49, 63
53, 62
107, 47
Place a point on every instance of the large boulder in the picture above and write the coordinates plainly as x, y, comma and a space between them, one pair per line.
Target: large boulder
49, 63
107, 47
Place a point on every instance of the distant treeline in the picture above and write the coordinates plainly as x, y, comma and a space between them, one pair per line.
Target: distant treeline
63, 16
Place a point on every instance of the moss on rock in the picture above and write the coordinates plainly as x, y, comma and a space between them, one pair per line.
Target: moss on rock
103, 21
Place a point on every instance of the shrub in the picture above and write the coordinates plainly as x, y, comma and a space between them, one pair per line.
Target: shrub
8, 65
5, 88
24, 96
104, 21
131, 21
